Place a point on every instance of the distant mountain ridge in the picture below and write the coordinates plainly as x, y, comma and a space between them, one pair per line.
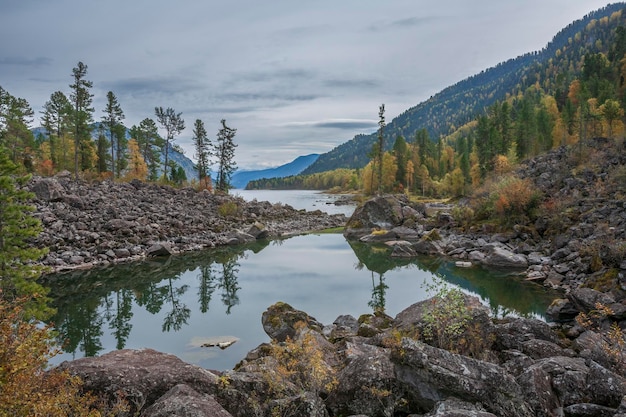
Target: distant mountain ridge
463, 101
241, 178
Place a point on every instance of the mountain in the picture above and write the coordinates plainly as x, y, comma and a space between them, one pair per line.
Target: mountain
241, 178
462, 102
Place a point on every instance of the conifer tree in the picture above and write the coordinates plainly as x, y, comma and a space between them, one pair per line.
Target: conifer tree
381, 128
17, 227
55, 119
225, 153
81, 113
113, 116
202, 145
150, 145
173, 124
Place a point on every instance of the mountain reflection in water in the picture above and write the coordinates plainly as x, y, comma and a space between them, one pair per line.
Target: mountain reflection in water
165, 304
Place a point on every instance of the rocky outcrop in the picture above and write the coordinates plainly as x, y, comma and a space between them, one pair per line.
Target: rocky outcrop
87, 224
526, 368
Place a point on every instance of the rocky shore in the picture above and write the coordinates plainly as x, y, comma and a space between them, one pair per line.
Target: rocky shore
375, 365
100, 223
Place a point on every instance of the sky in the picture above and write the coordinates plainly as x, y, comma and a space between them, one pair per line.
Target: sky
293, 77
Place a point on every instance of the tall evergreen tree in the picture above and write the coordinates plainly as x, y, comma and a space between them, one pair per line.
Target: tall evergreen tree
82, 113
17, 228
150, 145
113, 116
381, 143
173, 124
225, 153
55, 119
203, 146
103, 147
16, 116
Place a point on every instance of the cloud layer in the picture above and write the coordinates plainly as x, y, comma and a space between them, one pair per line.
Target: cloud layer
293, 77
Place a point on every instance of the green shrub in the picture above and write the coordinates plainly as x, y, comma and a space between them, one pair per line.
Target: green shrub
228, 209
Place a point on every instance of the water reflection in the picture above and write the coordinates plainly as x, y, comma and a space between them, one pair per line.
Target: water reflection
86, 300
504, 292
164, 303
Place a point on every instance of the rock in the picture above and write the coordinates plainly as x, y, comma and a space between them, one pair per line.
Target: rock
585, 299
504, 258
453, 407
258, 231
429, 247
48, 189
367, 385
588, 410
557, 382
384, 212
562, 310
280, 319
183, 401
142, 376
159, 249
431, 375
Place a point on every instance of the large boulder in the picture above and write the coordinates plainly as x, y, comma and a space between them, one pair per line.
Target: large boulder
48, 189
433, 375
141, 376
281, 321
501, 257
553, 383
383, 212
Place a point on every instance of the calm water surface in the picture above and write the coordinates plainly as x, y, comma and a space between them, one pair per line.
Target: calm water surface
170, 304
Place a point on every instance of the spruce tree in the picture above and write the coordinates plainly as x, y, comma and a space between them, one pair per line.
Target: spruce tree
55, 119
81, 113
202, 145
17, 227
381, 128
225, 152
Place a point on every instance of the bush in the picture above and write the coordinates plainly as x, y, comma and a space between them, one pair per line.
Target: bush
228, 209
26, 388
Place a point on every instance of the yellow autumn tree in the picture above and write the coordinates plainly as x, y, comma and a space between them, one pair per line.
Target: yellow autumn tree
137, 167
612, 115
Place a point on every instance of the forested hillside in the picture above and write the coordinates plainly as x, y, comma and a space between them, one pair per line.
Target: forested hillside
553, 67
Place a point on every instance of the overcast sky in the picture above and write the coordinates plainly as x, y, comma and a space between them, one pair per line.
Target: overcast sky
293, 77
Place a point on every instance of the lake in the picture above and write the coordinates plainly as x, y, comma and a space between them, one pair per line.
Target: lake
171, 305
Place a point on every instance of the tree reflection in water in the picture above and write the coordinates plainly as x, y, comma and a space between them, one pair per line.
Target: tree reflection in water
86, 300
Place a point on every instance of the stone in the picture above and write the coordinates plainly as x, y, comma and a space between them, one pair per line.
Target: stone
159, 249
279, 321
183, 401
504, 258
142, 376
431, 375
48, 189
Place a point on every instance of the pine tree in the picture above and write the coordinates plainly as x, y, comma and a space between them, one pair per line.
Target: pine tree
103, 147
173, 124
203, 145
113, 116
381, 128
81, 113
225, 152
55, 119
17, 227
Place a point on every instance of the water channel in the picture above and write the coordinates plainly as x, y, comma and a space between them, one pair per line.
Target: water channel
173, 305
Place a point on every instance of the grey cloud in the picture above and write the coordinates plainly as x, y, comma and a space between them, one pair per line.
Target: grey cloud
26, 62
346, 124
352, 83
270, 96
408, 22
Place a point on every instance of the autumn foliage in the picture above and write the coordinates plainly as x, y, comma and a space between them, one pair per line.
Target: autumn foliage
26, 388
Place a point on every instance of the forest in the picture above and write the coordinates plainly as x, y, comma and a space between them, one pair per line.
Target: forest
575, 94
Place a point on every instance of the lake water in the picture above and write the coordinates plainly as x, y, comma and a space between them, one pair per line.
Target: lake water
169, 305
